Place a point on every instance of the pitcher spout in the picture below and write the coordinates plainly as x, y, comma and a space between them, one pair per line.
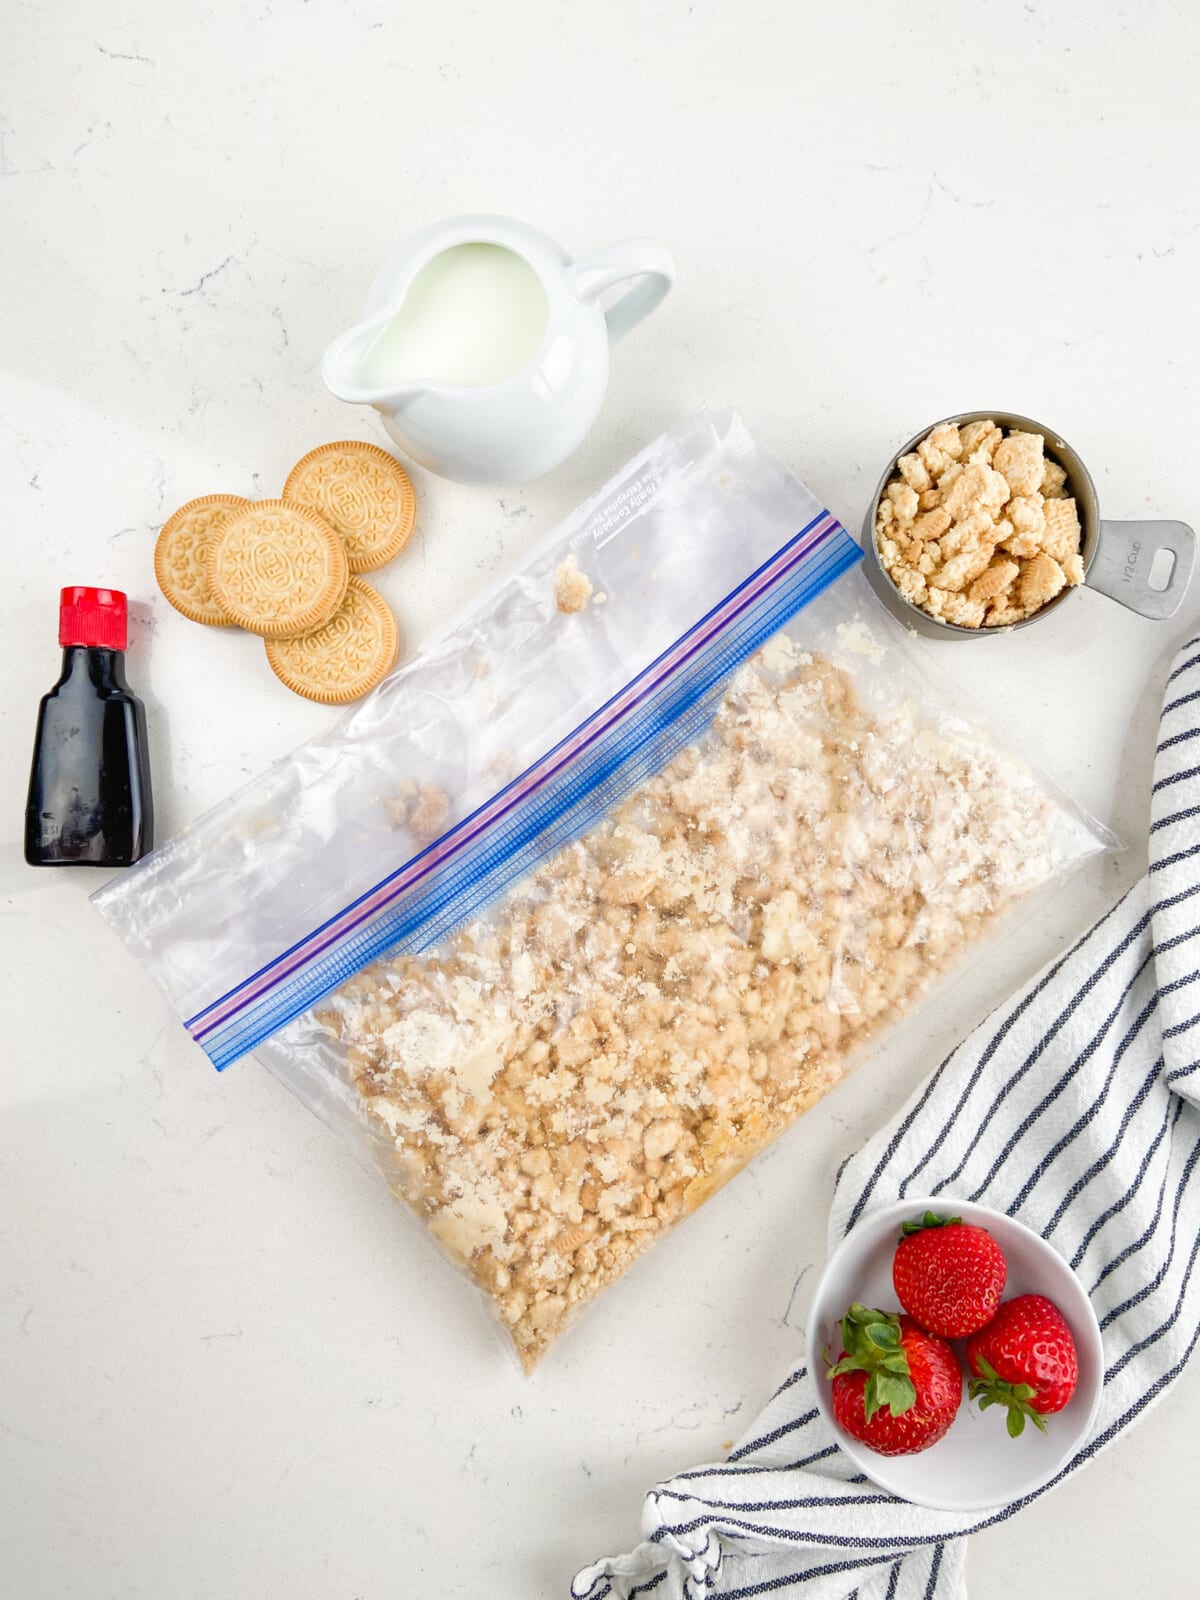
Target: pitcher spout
346, 369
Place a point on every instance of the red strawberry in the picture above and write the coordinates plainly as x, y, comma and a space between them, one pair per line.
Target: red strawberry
895, 1388
1024, 1359
948, 1274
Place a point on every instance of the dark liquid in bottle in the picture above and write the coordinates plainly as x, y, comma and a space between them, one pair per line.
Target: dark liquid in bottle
89, 790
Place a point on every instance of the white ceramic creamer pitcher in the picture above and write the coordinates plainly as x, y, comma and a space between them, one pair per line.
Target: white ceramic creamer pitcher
484, 347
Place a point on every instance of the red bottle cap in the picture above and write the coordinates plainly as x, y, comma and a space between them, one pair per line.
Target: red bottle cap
92, 616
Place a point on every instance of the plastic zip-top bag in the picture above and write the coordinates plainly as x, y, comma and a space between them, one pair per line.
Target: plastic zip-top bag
598, 893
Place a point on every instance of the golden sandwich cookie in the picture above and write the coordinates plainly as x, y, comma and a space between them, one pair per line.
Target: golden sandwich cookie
347, 657
277, 569
181, 556
363, 492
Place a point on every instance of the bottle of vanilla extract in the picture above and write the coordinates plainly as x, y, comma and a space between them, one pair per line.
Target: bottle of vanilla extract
89, 790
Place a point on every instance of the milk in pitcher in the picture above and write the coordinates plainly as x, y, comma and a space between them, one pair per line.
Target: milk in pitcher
474, 315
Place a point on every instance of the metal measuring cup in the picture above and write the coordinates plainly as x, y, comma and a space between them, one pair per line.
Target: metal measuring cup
1117, 556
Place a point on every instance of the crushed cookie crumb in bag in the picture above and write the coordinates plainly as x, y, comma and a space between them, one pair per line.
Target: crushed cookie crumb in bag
611, 883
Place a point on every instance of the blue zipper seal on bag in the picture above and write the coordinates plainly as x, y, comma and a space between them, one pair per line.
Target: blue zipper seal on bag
619, 746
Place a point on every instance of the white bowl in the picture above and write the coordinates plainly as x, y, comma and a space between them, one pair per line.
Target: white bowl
976, 1466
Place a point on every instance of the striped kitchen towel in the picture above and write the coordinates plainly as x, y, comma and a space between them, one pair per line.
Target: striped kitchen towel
1076, 1108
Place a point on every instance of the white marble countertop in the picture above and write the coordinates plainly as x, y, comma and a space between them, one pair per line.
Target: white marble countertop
227, 1365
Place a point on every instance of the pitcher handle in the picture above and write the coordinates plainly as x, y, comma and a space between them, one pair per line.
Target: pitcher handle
644, 259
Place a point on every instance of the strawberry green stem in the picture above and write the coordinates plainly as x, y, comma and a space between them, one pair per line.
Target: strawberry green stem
991, 1390
871, 1344
929, 1220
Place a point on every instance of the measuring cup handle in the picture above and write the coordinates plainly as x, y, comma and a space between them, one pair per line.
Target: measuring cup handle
645, 259
1125, 555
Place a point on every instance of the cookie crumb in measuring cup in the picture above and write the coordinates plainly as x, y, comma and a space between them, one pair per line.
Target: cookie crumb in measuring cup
977, 528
